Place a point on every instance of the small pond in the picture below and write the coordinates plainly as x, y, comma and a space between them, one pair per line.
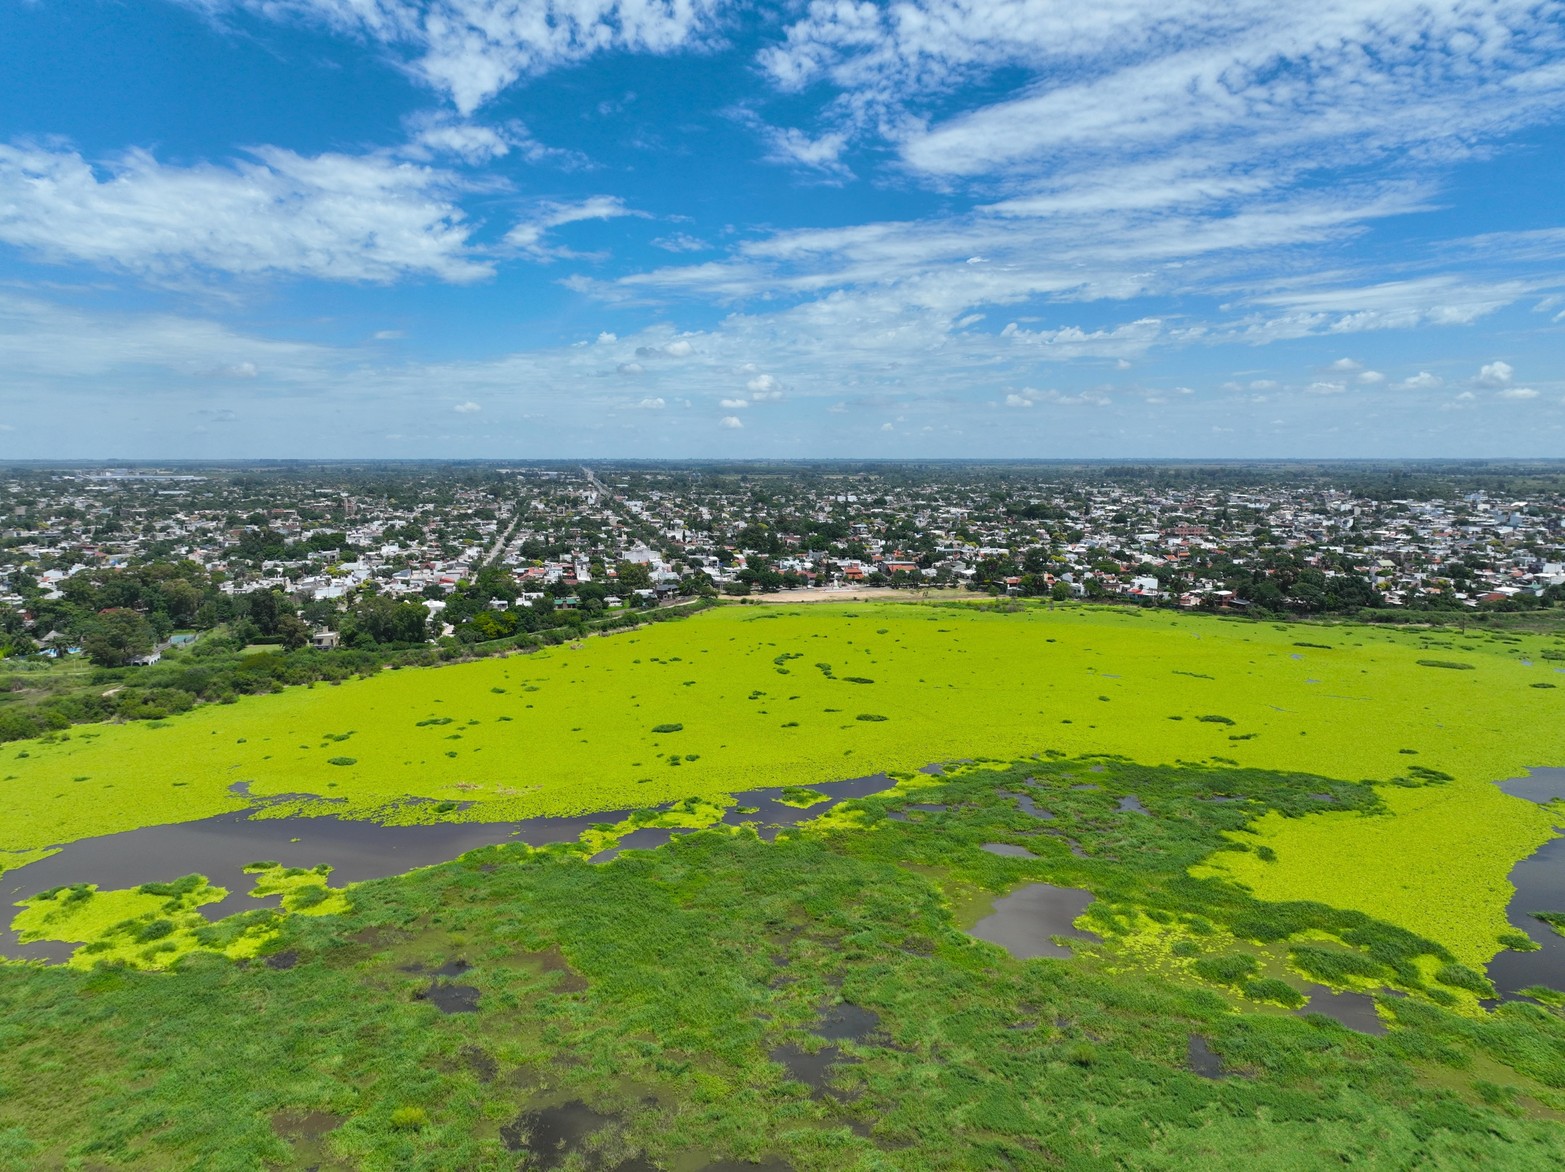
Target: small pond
1024, 921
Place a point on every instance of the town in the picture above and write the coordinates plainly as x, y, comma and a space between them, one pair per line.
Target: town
410, 553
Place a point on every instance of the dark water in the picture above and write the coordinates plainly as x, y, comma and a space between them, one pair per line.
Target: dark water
1540, 887
1200, 1059
450, 998
1028, 806
840, 1023
1008, 850
1354, 1010
219, 848
1023, 921
1130, 804
1540, 785
551, 1134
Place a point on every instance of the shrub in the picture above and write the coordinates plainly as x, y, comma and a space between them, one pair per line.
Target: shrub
409, 1118
1231, 969
667, 728
342, 760
1459, 976
868, 716
1452, 664
1333, 965
1215, 719
1275, 991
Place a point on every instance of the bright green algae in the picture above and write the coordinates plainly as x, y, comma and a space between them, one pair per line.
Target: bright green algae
777, 697
746, 697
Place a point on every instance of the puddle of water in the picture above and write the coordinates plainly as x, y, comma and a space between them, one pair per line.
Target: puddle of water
306, 1133
1130, 804
846, 1022
843, 1022
1354, 1010
480, 1062
553, 1134
449, 998
1007, 850
1084, 786
813, 1070
1200, 1059
1023, 921
926, 807
1028, 806
282, 960
305, 1124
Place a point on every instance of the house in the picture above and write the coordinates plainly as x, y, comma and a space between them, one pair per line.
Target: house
325, 640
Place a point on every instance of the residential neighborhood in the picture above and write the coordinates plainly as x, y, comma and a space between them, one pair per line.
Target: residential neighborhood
477, 546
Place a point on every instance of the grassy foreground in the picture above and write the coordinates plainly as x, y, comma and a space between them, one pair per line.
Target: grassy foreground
663, 991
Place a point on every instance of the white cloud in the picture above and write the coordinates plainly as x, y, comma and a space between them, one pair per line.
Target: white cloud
1496, 374
1423, 381
470, 50
764, 388
734, 404
679, 349
331, 216
1325, 388
1015, 400
818, 156
1518, 393
387, 335
528, 236
681, 242
1347, 364
731, 422
887, 427
467, 408
435, 134
654, 404
604, 338
1371, 378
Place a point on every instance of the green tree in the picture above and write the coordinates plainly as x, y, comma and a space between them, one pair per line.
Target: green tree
117, 637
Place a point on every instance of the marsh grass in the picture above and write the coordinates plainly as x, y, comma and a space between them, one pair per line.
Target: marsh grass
653, 990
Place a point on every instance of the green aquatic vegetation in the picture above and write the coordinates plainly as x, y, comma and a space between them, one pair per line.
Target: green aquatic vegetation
1451, 664
976, 672
1433, 859
801, 798
148, 927
303, 889
1232, 969
342, 760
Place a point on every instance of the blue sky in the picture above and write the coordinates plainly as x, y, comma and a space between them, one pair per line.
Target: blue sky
697, 228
